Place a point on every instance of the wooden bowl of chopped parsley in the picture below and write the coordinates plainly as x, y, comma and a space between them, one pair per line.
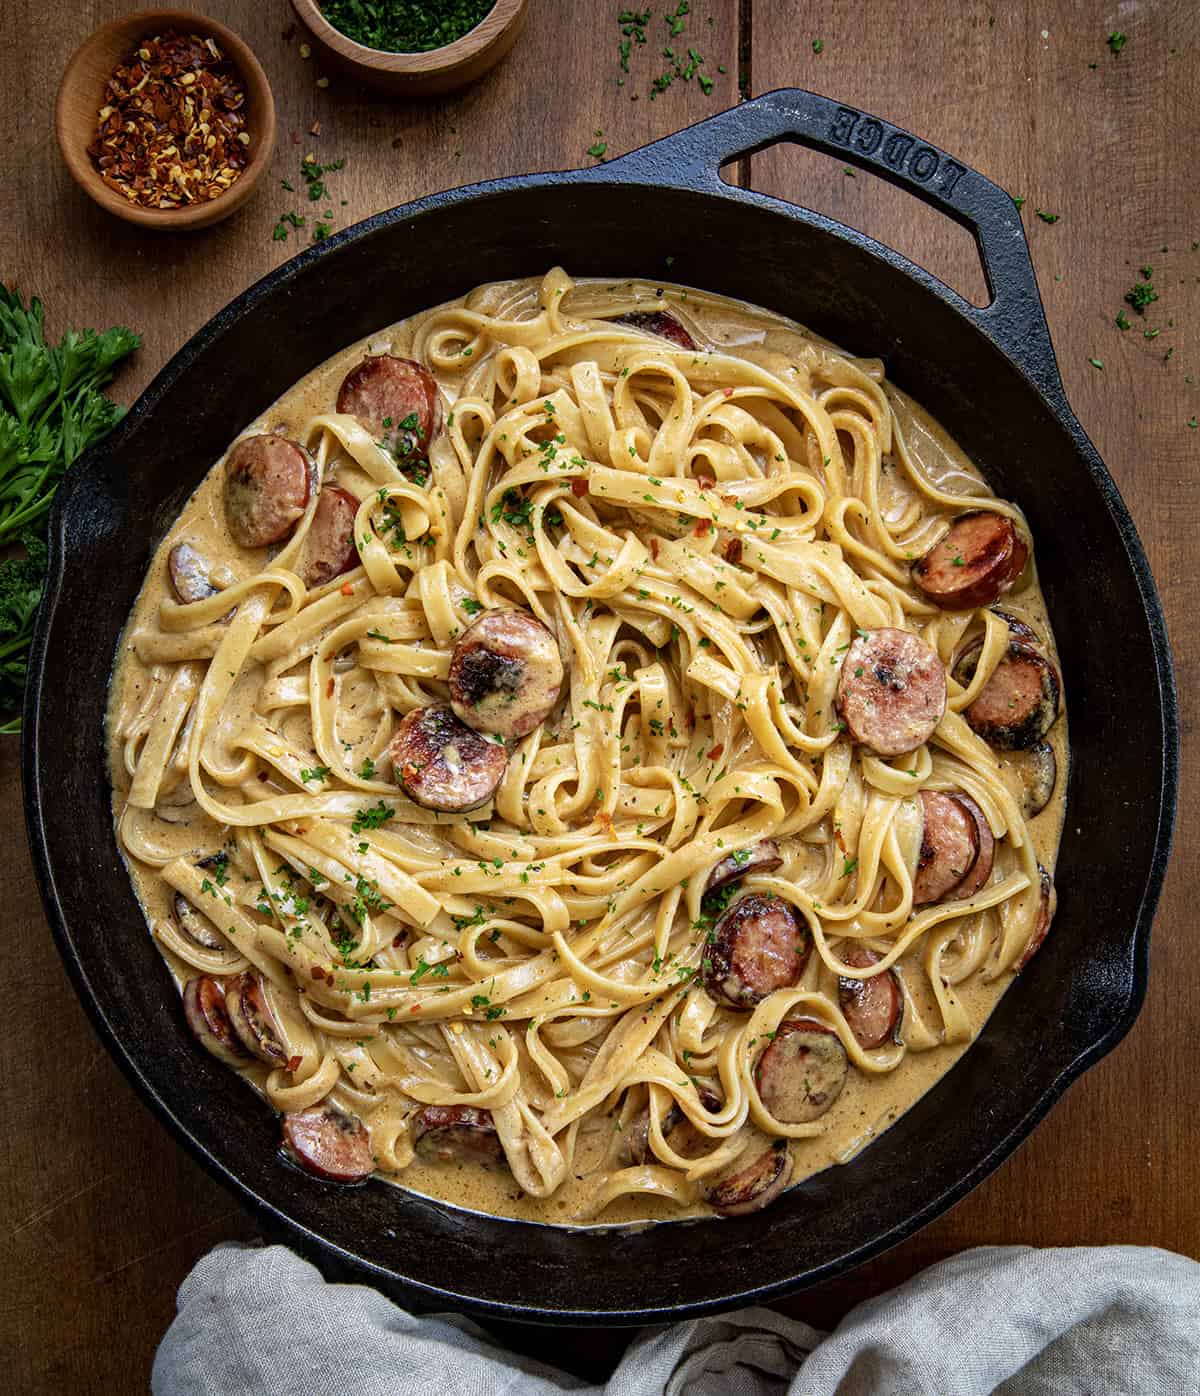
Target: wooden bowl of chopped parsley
413, 48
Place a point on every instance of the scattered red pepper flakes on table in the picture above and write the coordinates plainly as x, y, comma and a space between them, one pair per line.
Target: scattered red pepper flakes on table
172, 131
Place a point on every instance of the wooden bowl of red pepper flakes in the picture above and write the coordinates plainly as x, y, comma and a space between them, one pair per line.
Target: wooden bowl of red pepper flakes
166, 119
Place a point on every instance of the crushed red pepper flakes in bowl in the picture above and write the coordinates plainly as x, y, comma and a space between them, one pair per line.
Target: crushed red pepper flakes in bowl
172, 130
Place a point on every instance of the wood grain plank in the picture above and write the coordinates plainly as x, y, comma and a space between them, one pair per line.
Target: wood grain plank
101, 1208
1104, 142
98, 1202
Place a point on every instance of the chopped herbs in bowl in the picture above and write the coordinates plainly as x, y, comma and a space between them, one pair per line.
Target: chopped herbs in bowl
405, 26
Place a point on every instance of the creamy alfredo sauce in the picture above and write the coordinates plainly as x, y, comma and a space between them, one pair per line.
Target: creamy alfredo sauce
178, 829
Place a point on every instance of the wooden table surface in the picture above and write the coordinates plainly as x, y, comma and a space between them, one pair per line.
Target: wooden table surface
101, 1214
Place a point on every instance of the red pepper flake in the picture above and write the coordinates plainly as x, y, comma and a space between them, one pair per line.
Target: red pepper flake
294, 1063
172, 130
729, 499
728, 392
347, 588
703, 527
329, 688
654, 547
715, 753
733, 550
579, 487
689, 721
317, 972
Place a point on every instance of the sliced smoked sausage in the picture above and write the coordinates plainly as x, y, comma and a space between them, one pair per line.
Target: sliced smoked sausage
871, 1007
329, 548
329, 1144
456, 1134
755, 1185
252, 1019
396, 400
1037, 771
1047, 904
758, 946
976, 560
1019, 703
196, 926
206, 1014
442, 763
505, 674
268, 483
680, 1134
659, 323
761, 857
949, 847
981, 869
892, 691
189, 573
802, 1072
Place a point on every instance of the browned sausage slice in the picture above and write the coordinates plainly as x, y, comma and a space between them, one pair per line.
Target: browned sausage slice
189, 573
252, 1019
802, 1072
1041, 927
1017, 628
871, 1007
659, 323
1037, 770
196, 926
505, 674
206, 1014
329, 1145
892, 691
968, 656
442, 763
981, 869
268, 483
1019, 703
396, 400
762, 857
758, 946
979, 557
949, 847
680, 1134
756, 1185
329, 549
456, 1134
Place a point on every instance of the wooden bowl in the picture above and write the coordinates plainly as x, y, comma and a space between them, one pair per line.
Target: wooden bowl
81, 95
419, 74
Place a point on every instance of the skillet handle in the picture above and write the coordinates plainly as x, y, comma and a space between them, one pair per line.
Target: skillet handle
1014, 319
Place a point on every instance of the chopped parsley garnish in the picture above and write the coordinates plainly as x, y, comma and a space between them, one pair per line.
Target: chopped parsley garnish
372, 818
1117, 41
315, 773
1140, 296
405, 26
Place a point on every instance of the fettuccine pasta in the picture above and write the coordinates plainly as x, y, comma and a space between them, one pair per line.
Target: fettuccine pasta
589, 753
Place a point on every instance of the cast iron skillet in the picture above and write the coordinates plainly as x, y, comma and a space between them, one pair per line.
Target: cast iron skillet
989, 375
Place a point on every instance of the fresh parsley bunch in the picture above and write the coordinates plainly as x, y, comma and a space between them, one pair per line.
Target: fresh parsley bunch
51, 411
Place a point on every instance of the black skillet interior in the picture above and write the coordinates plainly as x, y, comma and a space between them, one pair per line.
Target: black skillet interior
1078, 997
